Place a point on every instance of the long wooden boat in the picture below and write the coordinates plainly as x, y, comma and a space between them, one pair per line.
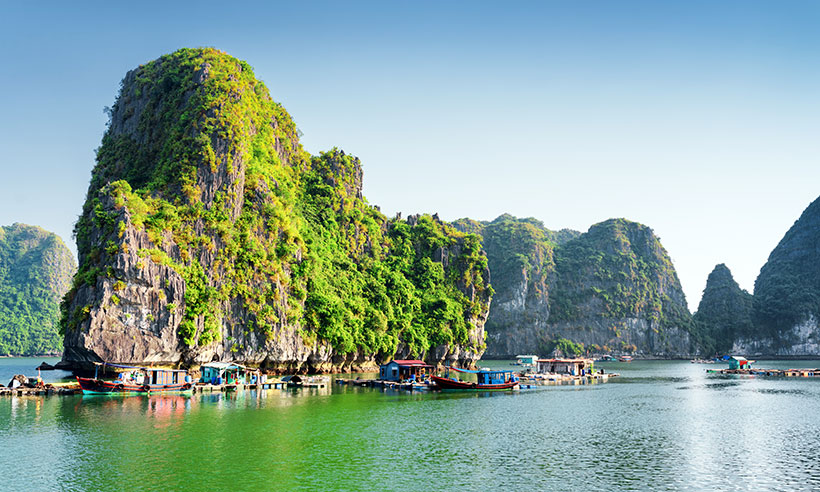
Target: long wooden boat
488, 380
140, 380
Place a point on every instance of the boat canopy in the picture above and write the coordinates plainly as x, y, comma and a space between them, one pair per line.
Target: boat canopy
141, 368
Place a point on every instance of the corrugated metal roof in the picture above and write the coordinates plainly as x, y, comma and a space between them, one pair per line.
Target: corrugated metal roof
409, 362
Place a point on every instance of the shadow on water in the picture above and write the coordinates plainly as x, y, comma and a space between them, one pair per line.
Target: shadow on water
773, 391
711, 386
650, 379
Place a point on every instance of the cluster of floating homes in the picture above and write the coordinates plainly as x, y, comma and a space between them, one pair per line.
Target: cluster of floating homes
214, 376
406, 374
415, 374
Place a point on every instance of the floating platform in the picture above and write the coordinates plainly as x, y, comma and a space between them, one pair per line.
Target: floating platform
783, 373
567, 378
212, 388
379, 383
66, 389
43, 390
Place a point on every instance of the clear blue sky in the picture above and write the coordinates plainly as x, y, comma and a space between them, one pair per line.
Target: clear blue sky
700, 119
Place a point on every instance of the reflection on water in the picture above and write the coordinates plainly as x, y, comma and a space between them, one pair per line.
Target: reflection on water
660, 426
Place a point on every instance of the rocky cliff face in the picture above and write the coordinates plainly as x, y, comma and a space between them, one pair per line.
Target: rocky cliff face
208, 233
787, 294
35, 271
724, 313
612, 289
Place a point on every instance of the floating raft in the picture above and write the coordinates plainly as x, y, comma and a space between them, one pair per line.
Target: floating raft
787, 373
213, 388
379, 383
566, 378
46, 390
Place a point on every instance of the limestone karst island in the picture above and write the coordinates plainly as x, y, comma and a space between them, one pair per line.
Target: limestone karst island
226, 310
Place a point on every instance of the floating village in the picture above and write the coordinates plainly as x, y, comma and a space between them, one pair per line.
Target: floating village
412, 375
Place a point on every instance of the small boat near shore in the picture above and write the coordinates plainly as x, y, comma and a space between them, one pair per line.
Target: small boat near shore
487, 380
136, 381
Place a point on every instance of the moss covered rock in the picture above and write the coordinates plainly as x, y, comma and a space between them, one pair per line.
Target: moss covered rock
208, 233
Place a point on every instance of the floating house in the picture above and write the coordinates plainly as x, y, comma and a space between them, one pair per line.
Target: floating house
526, 360
222, 372
739, 363
574, 367
399, 370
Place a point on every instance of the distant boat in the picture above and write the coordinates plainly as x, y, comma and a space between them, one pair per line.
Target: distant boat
138, 380
625, 358
488, 380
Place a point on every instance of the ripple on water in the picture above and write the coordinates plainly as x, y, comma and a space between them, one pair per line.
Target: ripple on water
669, 427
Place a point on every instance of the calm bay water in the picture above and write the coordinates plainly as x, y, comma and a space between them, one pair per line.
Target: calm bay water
661, 426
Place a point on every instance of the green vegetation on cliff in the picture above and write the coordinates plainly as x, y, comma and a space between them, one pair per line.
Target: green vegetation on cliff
787, 291
517, 247
35, 271
612, 288
622, 265
724, 312
264, 235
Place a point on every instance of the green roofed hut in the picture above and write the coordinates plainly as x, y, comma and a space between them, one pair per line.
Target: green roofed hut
526, 360
222, 373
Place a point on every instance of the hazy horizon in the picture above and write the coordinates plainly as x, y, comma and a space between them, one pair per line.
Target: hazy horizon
698, 119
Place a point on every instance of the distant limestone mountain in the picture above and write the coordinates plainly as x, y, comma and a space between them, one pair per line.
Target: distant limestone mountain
612, 289
724, 313
787, 293
35, 271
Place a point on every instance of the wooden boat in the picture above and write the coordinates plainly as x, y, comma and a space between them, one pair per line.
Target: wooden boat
139, 380
488, 380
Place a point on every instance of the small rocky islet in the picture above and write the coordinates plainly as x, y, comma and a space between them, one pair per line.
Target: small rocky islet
209, 233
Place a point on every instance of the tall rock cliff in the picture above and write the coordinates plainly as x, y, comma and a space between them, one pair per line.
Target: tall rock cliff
208, 233
787, 293
611, 289
35, 271
724, 313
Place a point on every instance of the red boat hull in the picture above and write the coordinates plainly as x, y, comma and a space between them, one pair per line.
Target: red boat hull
449, 384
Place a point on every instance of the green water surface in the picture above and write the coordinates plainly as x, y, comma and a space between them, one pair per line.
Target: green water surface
660, 426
